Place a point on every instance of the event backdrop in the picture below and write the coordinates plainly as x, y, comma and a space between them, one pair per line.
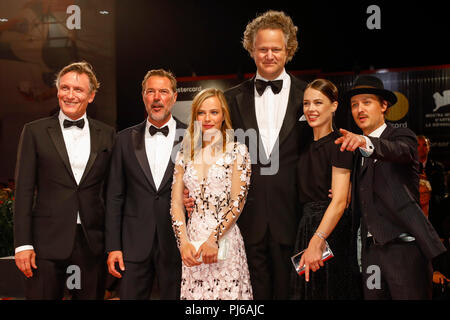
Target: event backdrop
423, 100
40, 36
37, 38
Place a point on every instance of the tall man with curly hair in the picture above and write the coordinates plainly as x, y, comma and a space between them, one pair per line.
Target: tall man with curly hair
270, 106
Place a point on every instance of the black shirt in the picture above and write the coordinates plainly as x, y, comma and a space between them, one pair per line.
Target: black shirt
314, 167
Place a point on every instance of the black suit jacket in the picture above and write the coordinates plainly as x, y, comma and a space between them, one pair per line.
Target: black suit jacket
438, 211
136, 210
435, 172
387, 192
272, 200
47, 195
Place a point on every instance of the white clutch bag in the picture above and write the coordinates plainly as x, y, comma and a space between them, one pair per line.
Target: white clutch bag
223, 248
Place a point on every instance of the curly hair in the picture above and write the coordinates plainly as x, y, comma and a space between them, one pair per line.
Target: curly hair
272, 20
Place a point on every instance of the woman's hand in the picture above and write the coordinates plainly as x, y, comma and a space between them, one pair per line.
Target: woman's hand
188, 253
188, 202
208, 251
312, 257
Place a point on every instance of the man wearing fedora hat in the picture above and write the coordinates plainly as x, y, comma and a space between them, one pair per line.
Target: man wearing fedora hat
398, 242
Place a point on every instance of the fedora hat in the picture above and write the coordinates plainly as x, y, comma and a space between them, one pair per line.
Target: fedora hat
371, 85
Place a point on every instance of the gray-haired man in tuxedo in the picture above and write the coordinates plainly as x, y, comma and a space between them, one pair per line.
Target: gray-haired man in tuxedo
59, 209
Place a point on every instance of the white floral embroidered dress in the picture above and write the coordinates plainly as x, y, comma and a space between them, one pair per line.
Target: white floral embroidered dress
219, 191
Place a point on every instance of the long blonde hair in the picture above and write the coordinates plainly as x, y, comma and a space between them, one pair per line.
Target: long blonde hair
193, 138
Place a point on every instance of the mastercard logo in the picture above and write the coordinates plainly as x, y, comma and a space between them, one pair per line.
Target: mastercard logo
399, 110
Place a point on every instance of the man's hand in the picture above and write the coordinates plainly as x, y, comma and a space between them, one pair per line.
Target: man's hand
25, 260
188, 202
350, 141
113, 257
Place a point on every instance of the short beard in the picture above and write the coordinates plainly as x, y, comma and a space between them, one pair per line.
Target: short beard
160, 118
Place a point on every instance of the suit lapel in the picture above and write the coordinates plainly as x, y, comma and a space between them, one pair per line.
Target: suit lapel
246, 105
94, 133
138, 140
367, 162
387, 132
370, 161
169, 169
358, 166
54, 130
292, 111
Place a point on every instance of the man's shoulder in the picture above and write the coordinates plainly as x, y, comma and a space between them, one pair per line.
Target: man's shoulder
129, 130
297, 82
233, 91
101, 125
399, 131
436, 165
41, 123
179, 123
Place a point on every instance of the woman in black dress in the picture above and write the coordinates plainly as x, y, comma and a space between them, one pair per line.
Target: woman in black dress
321, 167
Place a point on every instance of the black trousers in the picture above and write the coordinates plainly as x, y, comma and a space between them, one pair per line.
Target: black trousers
82, 275
138, 277
270, 267
403, 272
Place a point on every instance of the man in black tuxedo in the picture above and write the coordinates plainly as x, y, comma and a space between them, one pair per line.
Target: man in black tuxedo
59, 209
398, 242
268, 108
139, 234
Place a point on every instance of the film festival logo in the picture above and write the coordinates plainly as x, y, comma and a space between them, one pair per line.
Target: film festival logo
269, 164
441, 100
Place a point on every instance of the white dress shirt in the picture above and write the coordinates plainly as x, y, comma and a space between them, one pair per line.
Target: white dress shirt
159, 149
78, 146
270, 110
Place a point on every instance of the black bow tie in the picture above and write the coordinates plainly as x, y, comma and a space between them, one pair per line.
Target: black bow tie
164, 130
78, 123
261, 85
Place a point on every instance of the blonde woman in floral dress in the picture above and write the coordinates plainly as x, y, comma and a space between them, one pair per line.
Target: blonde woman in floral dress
216, 171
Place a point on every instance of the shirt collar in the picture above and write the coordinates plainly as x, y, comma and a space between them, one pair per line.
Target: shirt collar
425, 162
169, 123
62, 116
377, 133
282, 76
